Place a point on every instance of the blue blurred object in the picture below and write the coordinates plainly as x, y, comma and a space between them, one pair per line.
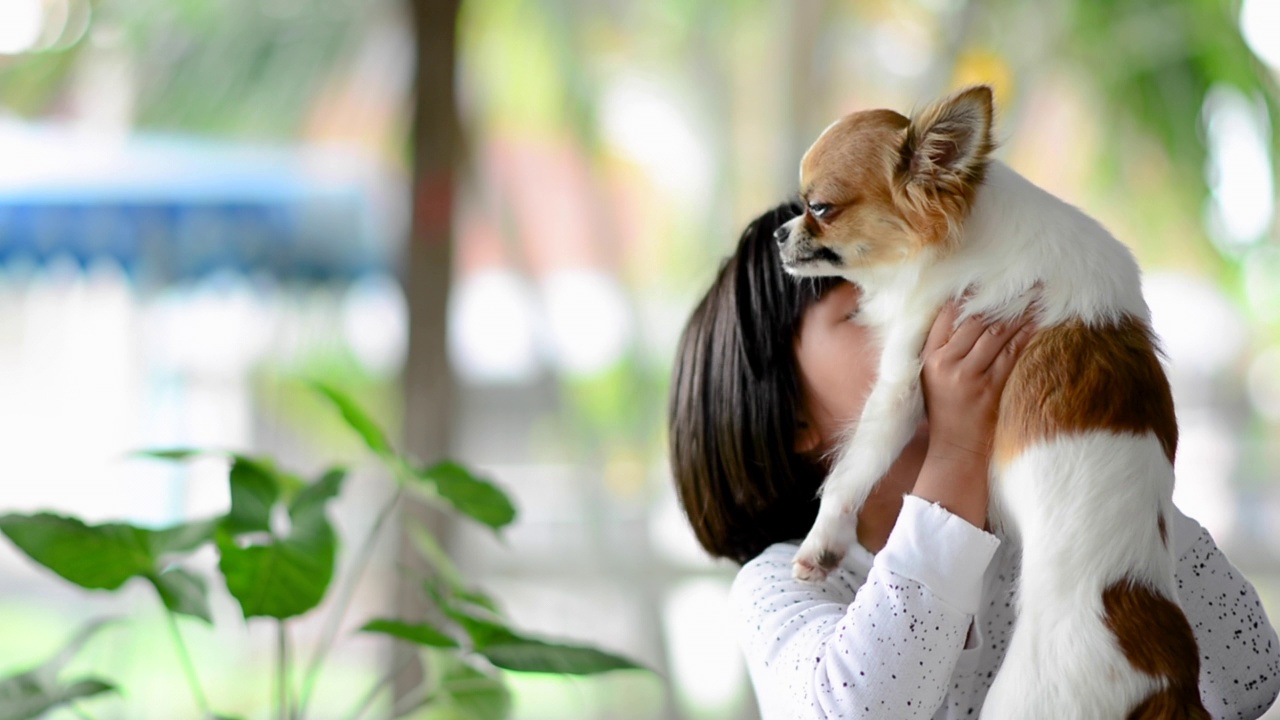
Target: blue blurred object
171, 209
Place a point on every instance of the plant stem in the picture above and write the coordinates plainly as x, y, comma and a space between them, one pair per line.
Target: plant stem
282, 671
413, 700
188, 668
343, 602
369, 696
81, 712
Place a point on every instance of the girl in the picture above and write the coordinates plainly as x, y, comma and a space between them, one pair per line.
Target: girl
916, 621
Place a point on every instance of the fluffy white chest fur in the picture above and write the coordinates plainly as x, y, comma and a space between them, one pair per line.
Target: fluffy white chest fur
1083, 471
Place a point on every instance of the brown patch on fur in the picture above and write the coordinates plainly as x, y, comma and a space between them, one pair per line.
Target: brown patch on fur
851, 155
1168, 704
1156, 639
828, 560
1164, 533
1073, 378
850, 168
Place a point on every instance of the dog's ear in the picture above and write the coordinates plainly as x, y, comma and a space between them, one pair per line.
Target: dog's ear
949, 140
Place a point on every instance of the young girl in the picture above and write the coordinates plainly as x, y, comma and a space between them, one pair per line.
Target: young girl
916, 621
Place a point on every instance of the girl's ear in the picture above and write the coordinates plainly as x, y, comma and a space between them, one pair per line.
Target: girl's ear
807, 437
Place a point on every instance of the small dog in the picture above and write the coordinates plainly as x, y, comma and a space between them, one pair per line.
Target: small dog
915, 212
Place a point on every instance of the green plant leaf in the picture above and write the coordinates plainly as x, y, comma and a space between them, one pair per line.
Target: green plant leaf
104, 557
483, 632
255, 485
35, 692
463, 693
524, 654
182, 538
254, 489
510, 650
478, 598
282, 578
474, 497
96, 557
21, 699
357, 419
182, 592
475, 695
172, 454
420, 634
313, 497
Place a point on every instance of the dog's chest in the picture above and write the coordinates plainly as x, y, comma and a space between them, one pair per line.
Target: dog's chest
897, 300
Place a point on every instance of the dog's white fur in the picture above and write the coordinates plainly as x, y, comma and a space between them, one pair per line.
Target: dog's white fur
1071, 499
1080, 535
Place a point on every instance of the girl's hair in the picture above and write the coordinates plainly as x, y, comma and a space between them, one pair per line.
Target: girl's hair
732, 418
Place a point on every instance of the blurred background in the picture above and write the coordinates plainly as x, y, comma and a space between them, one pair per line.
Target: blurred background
488, 220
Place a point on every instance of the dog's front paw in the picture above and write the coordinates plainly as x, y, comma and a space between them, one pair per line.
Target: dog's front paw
822, 551
815, 566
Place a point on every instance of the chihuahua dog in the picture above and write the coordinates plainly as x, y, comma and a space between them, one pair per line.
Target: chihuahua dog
916, 212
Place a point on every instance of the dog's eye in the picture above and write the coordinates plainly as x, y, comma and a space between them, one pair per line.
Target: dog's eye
819, 210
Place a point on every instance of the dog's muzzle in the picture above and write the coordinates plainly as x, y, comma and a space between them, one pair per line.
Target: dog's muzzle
800, 255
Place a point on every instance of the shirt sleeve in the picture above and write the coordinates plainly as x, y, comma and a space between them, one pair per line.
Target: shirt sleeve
1239, 652
877, 642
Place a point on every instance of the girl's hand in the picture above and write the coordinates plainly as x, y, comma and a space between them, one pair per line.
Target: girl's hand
963, 375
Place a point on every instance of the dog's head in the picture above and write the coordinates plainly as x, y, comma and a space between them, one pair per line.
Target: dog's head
881, 188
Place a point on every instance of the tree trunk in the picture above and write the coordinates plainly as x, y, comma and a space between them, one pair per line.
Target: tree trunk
806, 105
428, 381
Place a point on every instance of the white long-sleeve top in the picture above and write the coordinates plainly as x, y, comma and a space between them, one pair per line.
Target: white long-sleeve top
919, 629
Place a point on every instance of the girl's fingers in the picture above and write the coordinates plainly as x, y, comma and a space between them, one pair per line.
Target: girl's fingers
941, 330
962, 341
990, 342
1005, 360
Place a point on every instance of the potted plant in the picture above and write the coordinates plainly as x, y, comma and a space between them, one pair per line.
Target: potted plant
277, 552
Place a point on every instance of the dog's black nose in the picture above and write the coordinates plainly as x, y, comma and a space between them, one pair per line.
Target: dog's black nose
781, 234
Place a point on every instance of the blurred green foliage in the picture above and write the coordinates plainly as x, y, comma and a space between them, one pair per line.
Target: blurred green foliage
247, 68
542, 69
1155, 62
277, 557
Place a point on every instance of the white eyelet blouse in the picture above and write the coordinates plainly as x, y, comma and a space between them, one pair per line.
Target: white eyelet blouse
919, 629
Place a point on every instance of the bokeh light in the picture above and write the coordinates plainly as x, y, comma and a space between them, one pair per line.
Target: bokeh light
1239, 168
20, 25
492, 328
589, 324
375, 321
1260, 25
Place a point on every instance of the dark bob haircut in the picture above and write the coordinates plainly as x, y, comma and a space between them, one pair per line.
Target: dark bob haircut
734, 395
